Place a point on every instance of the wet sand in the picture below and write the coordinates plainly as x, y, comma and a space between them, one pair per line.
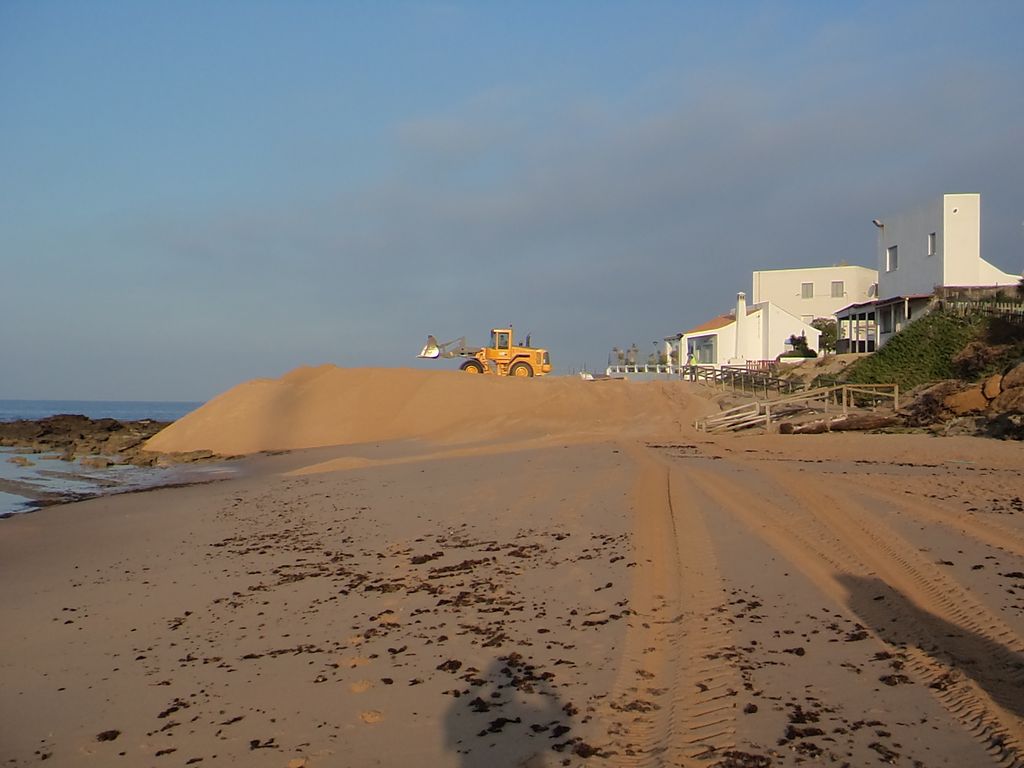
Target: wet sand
541, 600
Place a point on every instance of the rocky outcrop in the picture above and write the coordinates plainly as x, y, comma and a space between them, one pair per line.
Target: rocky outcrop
992, 386
971, 400
1009, 401
1013, 379
993, 407
106, 441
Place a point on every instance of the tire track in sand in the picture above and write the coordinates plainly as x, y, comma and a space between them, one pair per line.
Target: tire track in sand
847, 542
673, 702
995, 533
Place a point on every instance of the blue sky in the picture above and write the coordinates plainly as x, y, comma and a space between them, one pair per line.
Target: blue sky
196, 194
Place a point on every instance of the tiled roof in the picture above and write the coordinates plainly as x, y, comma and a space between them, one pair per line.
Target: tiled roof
718, 322
721, 321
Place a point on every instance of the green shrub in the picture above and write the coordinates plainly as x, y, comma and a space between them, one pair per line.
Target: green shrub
829, 333
800, 348
800, 353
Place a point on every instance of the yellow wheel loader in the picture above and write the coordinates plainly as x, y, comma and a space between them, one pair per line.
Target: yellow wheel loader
502, 357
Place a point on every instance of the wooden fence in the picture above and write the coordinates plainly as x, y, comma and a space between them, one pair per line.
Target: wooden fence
837, 399
1013, 311
741, 379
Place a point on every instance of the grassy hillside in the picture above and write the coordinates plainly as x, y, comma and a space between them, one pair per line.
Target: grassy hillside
923, 352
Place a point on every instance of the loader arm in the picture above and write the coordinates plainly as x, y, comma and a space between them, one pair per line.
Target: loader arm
454, 348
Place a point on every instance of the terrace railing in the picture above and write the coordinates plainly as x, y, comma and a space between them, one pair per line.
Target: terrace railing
663, 368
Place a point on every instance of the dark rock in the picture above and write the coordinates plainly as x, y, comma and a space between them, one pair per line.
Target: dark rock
965, 425
1007, 426
71, 435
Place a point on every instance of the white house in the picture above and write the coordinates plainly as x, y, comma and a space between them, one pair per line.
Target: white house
746, 335
938, 245
812, 292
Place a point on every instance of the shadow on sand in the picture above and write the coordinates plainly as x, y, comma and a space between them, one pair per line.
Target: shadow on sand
898, 621
510, 716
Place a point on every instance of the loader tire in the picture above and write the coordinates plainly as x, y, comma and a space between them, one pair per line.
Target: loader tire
520, 370
472, 366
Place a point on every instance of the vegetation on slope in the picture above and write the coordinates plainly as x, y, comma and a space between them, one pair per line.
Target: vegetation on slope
941, 346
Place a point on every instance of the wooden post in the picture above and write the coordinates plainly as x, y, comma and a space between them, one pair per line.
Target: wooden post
895, 397
846, 397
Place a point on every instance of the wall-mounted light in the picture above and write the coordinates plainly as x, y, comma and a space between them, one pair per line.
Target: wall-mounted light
878, 223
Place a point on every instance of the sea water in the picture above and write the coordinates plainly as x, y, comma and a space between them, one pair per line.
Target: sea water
52, 476
122, 410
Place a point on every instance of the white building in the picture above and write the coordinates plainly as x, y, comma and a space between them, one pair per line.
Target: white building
938, 245
812, 292
756, 334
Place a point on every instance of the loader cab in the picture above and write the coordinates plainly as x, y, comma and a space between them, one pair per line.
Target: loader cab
501, 342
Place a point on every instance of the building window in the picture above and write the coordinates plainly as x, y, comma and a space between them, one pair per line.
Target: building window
891, 259
838, 289
704, 349
931, 243
806, 290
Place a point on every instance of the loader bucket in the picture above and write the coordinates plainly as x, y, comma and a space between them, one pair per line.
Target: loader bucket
431, 350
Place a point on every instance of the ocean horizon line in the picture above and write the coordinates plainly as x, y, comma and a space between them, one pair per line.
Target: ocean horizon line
91, 400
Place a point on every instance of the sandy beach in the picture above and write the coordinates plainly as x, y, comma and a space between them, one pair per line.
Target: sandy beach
423, 568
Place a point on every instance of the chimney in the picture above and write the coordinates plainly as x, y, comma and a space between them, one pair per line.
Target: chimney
741, 318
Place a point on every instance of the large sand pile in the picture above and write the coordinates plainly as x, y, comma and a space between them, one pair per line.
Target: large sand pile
327, 405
